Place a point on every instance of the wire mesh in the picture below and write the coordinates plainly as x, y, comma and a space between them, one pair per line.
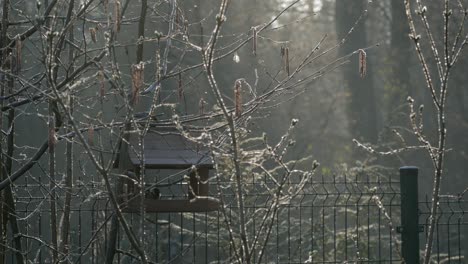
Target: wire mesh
451, 232
334, 219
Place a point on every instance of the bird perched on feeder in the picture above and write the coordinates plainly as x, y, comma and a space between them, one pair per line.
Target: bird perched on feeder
153, 193
153, 87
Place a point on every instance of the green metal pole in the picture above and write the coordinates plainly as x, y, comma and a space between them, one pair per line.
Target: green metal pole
409, 214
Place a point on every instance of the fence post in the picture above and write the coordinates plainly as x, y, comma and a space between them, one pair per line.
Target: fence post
409, 214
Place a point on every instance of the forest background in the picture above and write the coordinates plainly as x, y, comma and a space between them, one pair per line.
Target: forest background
50, 74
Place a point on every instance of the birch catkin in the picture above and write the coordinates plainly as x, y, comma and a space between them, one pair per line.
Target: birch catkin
201, 106
362, 63
19, 48
238, 98
91, 135
106, 5
285, 58
254, 41
137, 81
180, 89
92, 32
117, 19
102, 84
52, 137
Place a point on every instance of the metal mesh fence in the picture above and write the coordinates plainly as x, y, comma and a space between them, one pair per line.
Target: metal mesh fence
334, 219
451, 232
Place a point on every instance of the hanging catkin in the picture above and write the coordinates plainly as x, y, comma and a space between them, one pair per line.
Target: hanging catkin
102, 84
19, 48
362, 63
137, 81
201, 106
180, 88
91, 135
117, 19
178, 17
106, 5
52, 138
157, 59
285, 58
254, 41
238, 98
92, 32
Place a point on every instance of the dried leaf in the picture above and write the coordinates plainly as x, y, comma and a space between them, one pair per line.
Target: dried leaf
117, 18
238, 98
362, 63
137, 81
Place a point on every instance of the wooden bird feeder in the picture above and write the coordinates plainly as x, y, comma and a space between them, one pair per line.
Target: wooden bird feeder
166, 149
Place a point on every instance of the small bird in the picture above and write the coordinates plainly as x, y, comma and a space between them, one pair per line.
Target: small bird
153, 87
153, 193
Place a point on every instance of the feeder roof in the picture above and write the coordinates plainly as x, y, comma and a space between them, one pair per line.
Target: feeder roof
167, 148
